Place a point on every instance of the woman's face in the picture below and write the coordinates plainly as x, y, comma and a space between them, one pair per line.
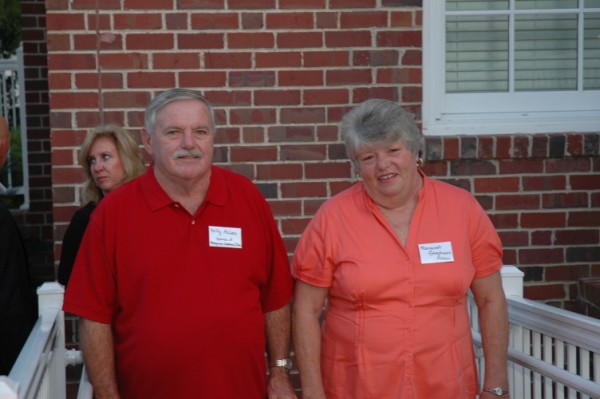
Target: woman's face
388, 172
105, 164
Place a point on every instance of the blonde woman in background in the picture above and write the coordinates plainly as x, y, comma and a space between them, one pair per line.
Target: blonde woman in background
110, 156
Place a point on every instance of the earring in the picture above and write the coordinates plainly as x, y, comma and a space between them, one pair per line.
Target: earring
419, 162
357, 176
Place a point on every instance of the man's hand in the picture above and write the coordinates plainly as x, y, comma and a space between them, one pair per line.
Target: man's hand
279, 384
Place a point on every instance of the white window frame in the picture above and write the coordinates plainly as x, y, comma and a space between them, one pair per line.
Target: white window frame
494, 113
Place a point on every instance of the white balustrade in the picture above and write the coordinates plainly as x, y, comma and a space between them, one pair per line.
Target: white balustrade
39, 371
553, 353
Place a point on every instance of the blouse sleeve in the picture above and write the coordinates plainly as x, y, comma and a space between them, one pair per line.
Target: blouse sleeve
313, 259
486, 246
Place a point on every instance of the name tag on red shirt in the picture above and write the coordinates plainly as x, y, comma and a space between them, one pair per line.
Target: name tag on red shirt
224, 237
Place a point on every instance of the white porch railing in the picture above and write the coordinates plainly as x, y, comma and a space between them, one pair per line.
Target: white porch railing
553, 353
39, 371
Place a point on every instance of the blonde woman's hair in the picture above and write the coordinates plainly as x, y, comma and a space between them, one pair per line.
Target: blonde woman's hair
127, 148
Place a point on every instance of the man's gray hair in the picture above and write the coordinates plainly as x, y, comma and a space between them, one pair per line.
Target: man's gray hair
169, 96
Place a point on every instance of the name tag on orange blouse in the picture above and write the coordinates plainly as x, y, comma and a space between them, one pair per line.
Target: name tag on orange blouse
436, 252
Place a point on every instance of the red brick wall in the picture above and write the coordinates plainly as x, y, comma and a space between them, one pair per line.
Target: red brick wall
281, 74
543, 195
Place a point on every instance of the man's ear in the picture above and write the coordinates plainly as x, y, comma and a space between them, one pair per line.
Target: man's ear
146, 139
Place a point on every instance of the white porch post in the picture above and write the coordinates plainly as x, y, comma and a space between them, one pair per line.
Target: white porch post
8, 388
50, 301
512, 280
40, 366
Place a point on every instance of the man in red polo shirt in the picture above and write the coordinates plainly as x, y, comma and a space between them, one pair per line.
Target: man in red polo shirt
182, 279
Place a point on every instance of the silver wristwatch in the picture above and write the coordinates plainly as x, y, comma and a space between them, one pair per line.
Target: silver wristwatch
497, 391
285, 363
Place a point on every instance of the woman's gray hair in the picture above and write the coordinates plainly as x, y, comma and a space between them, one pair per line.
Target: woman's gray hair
378, 122
169, 96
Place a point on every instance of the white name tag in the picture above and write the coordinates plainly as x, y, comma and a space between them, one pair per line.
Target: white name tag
224, 237
436, 252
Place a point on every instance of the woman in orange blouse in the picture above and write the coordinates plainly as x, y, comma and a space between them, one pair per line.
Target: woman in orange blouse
393, 257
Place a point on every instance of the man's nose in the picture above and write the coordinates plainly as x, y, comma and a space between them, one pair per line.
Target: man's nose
187, 139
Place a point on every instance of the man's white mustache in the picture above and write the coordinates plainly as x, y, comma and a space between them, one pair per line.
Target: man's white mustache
188, 154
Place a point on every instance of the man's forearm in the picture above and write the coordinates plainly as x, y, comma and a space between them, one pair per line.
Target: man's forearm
278, 331
278, 324
97, 346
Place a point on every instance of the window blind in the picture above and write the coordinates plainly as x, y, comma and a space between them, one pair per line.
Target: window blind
591, 48
522, 45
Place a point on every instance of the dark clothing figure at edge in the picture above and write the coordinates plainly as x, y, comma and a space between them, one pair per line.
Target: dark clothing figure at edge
18, 310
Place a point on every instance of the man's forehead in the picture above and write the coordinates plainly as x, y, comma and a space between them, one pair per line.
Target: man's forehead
182, 103
183, 113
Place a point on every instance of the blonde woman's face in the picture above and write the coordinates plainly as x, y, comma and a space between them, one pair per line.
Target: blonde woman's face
105, 164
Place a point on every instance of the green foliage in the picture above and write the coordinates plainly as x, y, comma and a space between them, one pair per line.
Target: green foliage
10, 27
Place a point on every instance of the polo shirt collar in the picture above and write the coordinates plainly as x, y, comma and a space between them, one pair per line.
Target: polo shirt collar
156, 197
217, 189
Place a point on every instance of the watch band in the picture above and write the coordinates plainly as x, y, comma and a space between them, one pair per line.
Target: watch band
285, 363
498, 391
